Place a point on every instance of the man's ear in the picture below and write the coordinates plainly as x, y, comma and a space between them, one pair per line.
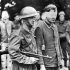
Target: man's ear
43, 17
22, 21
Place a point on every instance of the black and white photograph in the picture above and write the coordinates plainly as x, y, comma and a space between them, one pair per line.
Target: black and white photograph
34, 34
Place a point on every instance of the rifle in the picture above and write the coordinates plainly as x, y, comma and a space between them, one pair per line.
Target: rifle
34, 55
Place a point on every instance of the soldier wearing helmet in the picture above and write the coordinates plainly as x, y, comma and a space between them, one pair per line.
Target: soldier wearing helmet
22, 40
68, 42
47, 34
62, 25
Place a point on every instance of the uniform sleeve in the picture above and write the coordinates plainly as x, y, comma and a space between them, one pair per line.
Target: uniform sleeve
39, 41
61, 54
13, 49
4, 36
68, 29
3, 33
68, 33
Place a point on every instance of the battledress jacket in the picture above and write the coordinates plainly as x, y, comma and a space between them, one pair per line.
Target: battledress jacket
21, 40
50, 37
62, 26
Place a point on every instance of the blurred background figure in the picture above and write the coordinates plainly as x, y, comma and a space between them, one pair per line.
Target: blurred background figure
6, 29
3, 36
61, 16
37, 19
68, 41
62, 34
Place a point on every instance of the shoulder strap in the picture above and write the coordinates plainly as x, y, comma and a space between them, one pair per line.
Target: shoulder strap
22, 32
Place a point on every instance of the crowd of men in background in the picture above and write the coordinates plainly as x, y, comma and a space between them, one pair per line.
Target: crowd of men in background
34, 40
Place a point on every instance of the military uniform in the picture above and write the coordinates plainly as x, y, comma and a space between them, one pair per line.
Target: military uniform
22, 41
63, 41
68, 44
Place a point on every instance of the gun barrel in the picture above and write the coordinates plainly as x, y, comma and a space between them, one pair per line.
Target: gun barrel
35, 55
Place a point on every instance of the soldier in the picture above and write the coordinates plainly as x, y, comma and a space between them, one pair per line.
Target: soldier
47, 31
68, 41
62, 24
22, 40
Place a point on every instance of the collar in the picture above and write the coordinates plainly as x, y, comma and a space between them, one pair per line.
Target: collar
61, 22
26, 31
25, 27
48, 25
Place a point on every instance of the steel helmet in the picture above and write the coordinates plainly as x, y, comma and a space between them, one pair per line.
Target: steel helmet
27, 12
61, 13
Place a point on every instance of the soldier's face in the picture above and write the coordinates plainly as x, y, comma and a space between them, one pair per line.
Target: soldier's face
30, 21
61, 17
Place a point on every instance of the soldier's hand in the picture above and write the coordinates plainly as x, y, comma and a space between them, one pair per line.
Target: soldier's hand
33, 60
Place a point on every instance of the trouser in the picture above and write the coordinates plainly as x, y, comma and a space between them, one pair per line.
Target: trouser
0, 59
6, 62
38, 66
68, 50
63, 44
18, 66
69, 63
52, 68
